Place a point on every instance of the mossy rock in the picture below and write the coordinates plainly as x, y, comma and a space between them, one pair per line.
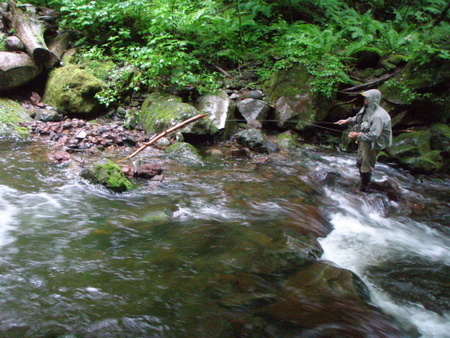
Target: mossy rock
429, 163
423, 89
185, 153
411, 144
296, 106
287, 140
440, 139
72, 90
416, 151
100, 69
159, 112
109, 175
11, 114
366, 57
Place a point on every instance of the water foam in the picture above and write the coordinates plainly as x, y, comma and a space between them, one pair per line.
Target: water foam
7, 216
362, 237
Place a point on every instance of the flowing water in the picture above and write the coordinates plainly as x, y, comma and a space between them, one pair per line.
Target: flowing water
178, 259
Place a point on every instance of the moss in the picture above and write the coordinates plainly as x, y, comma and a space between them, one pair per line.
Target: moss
411, 144
100, 69
440, 139
185, 153
73, 89
111, 176
287, 141
156, 116
3, 37
11, 114
291, 90
429, 163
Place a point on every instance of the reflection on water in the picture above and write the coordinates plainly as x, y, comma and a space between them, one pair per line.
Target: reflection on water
201, 254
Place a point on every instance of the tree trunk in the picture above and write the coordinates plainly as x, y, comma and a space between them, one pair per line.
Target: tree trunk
16, 69
59, 45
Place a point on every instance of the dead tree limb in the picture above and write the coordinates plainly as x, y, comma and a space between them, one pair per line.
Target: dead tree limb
223, 71
369, 84
164, 133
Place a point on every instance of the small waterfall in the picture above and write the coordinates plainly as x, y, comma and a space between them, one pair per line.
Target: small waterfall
364, 240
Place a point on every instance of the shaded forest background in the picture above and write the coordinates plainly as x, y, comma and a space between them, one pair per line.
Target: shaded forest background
194, 43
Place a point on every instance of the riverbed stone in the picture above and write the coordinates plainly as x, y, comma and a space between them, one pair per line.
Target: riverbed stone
220, 109
73, 90
254, 139
11, 115
326, 300
109, 175
160, 112
185, 153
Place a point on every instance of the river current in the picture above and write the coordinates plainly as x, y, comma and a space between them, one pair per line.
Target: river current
79, 261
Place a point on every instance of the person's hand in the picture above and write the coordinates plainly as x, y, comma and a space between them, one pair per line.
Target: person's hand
353, 135
341, 122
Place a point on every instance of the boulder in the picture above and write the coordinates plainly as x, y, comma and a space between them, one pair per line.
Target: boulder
253, 109
185, 153
109, 175
73, 90
422, 90
413, 151
295, 104
160, 112
254, 139
220, 109
11, 115
328, 301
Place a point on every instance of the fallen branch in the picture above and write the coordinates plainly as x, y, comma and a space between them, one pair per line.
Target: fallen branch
164, 133
223, 71
369, 84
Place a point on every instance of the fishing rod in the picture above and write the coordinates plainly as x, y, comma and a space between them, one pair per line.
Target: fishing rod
314, 124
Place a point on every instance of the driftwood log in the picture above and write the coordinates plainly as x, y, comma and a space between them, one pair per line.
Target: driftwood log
16, 69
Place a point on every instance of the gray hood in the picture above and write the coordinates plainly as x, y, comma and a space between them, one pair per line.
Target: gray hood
374, 98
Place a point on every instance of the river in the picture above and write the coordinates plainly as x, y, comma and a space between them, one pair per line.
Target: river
166, 260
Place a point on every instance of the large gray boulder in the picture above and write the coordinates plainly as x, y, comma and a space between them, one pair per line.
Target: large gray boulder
296, 105
220, 109
253, 109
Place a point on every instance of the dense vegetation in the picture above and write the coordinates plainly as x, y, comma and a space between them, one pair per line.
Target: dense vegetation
184, 42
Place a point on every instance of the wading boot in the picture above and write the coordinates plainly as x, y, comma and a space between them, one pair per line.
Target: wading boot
365, 182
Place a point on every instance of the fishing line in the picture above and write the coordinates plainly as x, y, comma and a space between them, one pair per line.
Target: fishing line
314, 124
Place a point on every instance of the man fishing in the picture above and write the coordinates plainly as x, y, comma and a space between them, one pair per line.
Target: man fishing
372, 131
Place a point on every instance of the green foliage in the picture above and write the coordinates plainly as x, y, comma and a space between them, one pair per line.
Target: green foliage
3, 41
178, 43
